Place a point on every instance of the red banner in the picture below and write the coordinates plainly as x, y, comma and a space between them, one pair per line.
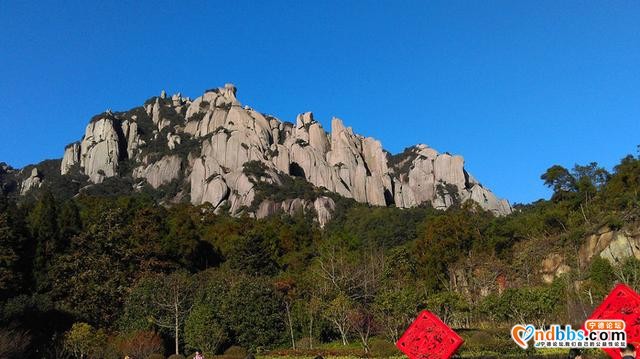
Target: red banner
429, 337
622, 303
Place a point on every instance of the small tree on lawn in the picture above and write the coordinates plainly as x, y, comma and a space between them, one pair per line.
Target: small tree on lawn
337, 312
173, 300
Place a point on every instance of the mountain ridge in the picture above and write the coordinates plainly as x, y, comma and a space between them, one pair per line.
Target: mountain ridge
205, 150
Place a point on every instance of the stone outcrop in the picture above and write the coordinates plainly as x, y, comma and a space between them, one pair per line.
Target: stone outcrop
161, 172
100, 149
208, 141
71, 157
33, 181
553, 266
612, 245
322, 206
428, 176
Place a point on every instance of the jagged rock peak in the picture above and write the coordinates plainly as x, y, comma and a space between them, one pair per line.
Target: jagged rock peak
231, 88
207, 145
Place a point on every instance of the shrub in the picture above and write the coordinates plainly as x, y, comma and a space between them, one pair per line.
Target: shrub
383, 348
305, 343
614, 221
486, 342
142, 344
202, 330
176, 356
83, 340
235, 352
155, 356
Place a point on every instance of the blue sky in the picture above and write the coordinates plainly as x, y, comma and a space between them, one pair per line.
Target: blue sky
513, 86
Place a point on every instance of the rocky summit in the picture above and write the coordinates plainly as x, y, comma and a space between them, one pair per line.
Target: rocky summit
215, 150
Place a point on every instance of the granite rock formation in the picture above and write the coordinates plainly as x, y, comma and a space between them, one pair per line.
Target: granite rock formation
205, 144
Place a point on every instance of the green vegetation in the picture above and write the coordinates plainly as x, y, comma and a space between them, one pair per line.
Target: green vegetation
104, 275
283, 187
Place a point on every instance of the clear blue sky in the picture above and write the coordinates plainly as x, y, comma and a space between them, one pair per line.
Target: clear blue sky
513, 86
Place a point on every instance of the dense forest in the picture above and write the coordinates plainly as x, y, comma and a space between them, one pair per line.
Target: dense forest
103, 276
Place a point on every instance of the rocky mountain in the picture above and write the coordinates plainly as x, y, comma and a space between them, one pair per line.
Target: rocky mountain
214, 150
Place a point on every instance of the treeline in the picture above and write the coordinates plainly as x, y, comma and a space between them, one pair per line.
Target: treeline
102, 276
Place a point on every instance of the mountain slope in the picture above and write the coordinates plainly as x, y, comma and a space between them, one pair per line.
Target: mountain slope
214, 150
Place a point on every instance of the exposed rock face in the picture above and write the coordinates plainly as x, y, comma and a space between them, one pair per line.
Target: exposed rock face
100, 149
33, 181
71, 157
222, 136
553, 266
323, 207
130, 132
614, 246
426, 175
161, 172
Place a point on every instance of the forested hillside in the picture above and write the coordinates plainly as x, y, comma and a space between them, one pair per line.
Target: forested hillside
102, 276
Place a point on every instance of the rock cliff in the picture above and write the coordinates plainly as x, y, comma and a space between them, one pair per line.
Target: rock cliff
214, 150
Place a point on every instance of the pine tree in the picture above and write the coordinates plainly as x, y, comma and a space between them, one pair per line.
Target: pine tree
69, 224
9, 276
43, 225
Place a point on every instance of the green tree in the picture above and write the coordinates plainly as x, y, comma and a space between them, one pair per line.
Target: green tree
395, 308
451, 307
182, 239
446, 238
538, 305
337, 312
43, 225
621, 190
90, 277
628, 272
601, 276
203, 330
559, 179
253, 312
69, 223
9, 249
84, 341
255, 254
148, 230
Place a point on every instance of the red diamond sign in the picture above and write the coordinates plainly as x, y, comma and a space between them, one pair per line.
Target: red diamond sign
429, 337
622, 303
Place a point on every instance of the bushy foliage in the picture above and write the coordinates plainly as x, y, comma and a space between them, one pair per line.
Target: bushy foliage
254, 314
383, 348
235, 352
203, 329
141, 344
82, 341
110, 264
